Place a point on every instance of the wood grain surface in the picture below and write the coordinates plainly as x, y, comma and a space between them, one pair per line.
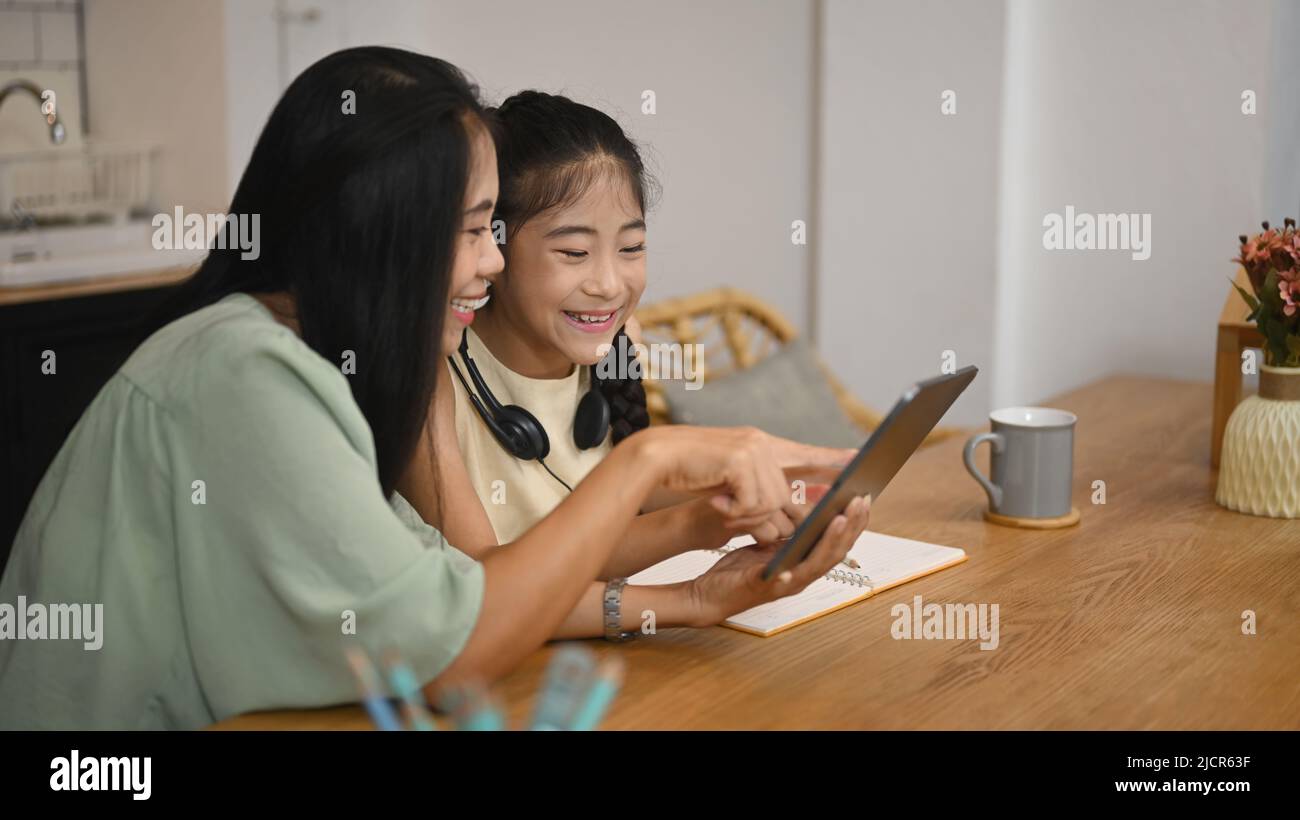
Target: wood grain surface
1130, 620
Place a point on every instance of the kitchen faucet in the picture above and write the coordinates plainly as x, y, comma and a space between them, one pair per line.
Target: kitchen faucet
57, 132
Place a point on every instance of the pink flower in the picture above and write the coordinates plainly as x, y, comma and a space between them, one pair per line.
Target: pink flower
1288, 290
1257, 251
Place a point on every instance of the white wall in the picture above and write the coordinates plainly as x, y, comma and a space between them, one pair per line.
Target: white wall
927, 230
730, 142
154, 76
1114, 106
931, 233
908, 202
1281, 113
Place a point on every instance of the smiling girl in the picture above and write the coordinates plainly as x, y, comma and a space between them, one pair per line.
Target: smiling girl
527, 420
573, 207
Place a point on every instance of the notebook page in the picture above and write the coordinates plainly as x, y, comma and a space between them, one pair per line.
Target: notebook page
884, 561
679, 568
820, 596
888, 559
687, 565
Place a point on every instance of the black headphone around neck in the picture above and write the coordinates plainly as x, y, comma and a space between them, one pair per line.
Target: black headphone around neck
517, 430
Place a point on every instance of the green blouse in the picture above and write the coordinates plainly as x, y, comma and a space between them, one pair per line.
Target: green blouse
220, 499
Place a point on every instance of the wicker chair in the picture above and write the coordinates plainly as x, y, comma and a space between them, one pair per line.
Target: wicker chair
735, 330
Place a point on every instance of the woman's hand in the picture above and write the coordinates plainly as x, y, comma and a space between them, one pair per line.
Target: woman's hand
809, 462
813, 465
737, 466
736, 584
777, 526
777, 512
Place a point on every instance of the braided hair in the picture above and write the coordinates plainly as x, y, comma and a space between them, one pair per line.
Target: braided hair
626, 395
550, 150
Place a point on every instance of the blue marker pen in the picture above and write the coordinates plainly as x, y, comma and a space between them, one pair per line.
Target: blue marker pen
483, 717
372, 694
599, 696
568, 678
473, 709
404, 683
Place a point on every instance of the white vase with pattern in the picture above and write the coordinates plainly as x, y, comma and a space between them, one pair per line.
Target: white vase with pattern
1259, 469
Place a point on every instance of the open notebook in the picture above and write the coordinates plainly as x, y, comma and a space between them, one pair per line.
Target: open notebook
884, 561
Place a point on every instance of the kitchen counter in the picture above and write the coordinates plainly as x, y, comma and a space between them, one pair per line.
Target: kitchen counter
20, 294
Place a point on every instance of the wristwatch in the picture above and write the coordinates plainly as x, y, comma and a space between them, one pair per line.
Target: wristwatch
614, 611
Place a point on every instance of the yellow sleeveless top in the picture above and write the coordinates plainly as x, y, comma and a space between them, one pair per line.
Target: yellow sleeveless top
517, 494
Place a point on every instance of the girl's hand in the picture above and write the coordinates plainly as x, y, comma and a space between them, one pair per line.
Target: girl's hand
736, 584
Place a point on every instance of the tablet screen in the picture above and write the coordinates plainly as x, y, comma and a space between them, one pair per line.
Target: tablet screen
888, 448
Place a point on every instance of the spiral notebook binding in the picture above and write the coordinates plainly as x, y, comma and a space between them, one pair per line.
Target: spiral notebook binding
843, 576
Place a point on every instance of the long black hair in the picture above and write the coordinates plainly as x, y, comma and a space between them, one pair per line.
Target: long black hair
550, 150
360, 202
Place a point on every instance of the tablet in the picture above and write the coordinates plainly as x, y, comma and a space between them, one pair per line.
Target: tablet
890, 445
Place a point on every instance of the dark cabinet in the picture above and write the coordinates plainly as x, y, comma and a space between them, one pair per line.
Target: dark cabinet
90, 336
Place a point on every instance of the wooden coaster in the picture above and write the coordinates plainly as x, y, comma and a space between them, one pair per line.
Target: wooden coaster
1068, 520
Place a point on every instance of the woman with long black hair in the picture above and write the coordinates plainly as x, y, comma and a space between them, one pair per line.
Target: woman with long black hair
227, 499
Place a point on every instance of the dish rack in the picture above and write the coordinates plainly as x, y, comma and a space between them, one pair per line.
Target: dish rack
90, 183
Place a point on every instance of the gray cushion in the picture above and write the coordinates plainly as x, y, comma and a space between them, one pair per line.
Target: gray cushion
785, 394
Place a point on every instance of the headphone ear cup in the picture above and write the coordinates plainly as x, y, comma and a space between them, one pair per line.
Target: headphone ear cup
528, 440
591, 422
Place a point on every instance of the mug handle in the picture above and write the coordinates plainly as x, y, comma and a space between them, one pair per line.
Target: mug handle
968, 455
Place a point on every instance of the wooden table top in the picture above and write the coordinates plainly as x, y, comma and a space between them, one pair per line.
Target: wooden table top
1130, 620
44, 292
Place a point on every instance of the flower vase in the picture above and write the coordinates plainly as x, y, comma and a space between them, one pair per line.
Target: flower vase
1259, 470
